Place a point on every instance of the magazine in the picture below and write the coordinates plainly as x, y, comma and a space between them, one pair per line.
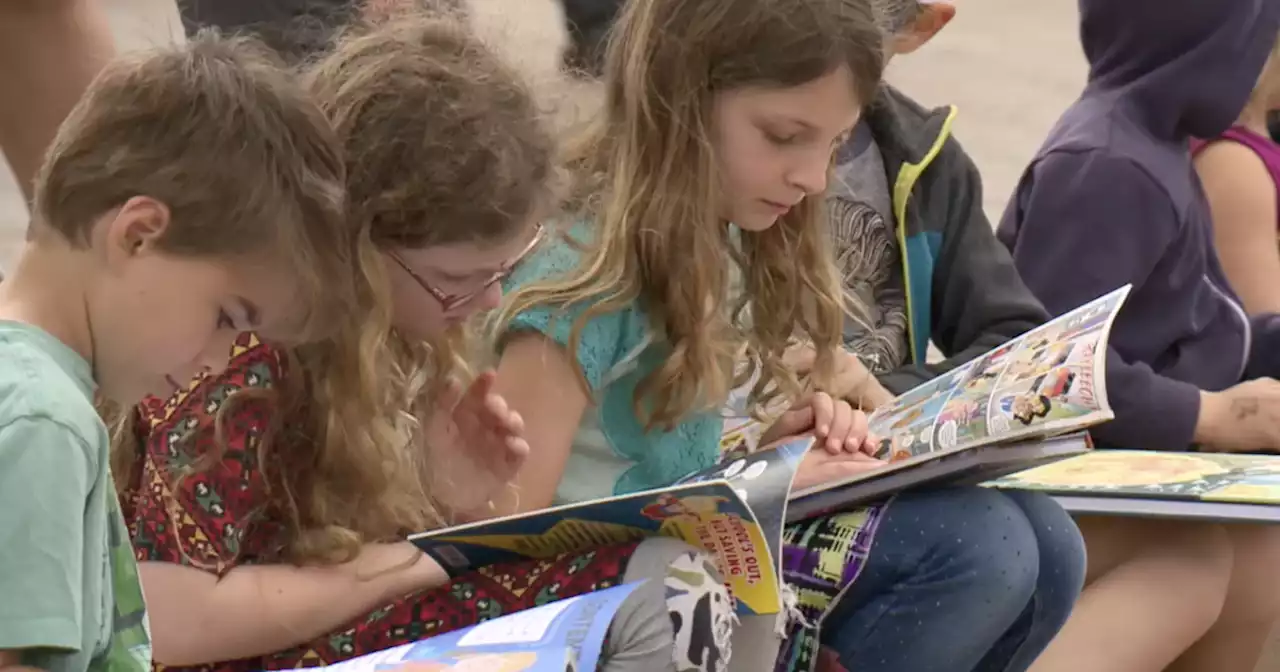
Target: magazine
1210, 486
558, 637
997, 410
732, 510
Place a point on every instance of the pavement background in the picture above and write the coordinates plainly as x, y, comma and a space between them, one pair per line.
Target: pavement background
1010, 66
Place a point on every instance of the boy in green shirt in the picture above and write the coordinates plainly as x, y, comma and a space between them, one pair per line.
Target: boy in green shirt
199, 178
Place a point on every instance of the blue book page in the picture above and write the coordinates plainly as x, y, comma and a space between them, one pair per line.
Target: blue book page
711, 516
564, 635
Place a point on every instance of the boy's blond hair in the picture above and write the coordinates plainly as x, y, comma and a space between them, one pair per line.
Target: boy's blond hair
218, 132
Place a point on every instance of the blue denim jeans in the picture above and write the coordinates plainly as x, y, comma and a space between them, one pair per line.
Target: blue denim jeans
959, 580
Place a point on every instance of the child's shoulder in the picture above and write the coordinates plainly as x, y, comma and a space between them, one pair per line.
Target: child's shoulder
607, 338
42, 379
557, 256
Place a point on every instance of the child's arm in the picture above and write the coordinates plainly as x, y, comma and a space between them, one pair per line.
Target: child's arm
11, 661
49, 52
254, 610
1242, 197
1092, 223
539, 381
852, 381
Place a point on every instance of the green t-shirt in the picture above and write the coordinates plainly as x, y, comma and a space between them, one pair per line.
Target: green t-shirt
70, 597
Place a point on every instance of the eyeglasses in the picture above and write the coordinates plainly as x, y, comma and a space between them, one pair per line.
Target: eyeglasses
449, 302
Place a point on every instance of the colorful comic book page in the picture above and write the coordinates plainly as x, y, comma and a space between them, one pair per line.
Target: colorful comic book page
556, 637
906, 424
1208, 477
710, 515
1058, 396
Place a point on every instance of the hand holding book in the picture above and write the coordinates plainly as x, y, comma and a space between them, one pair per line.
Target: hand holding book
834, 423
820, 466
851, 380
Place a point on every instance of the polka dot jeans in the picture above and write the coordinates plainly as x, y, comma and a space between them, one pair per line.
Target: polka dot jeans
956, 580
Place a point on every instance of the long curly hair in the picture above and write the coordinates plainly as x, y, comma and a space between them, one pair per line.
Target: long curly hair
646, 174
444, 144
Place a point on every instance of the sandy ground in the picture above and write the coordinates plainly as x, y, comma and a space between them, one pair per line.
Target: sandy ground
1010, 65
1008, 95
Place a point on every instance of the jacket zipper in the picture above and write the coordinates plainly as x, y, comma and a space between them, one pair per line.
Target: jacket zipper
1238, 310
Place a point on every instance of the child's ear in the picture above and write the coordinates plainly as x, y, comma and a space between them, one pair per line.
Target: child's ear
933, 17
135, 228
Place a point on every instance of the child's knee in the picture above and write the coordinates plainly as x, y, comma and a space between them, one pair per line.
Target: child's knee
988, 546
682, 618
1197, 558
1254, 595
1062, 553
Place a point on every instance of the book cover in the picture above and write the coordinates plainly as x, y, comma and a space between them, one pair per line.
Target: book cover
711, 513
763, 480
562, 636
1197, 477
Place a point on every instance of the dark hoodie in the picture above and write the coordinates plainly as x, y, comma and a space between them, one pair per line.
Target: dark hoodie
1113, 198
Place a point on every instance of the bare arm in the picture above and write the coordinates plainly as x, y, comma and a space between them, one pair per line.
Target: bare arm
11, 661
539, 381
1242, 197
49, 52
851, 382
254, 610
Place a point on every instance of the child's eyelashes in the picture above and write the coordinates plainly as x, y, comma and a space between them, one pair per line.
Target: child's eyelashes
781, 139
225, 321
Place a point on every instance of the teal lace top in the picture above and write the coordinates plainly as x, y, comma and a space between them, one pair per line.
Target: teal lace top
612, 453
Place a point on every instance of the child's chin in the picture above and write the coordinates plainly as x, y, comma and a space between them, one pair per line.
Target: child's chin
756, 223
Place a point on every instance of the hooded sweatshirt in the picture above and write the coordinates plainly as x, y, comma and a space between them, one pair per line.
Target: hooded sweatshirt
1112, 198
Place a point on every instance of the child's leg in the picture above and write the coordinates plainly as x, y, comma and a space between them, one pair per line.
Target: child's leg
1061, 578
681, 619
1235, 642
949, 573
49, 52
1154, 587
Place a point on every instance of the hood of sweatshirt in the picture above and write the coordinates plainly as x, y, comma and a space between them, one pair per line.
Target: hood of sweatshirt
1189, 65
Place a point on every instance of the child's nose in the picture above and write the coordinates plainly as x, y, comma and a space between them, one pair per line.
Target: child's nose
811, 176
490, 298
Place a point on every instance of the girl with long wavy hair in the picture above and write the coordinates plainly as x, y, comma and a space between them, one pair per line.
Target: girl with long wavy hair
698, 240
268, 502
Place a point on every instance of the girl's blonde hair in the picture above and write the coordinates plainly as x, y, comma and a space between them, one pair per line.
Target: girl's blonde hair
646, 173
444, 145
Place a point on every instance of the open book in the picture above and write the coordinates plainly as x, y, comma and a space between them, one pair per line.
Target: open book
992, 416
1210, 486
557, 637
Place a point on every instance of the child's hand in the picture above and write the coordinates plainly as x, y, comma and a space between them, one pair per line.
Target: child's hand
835, 425
851, 379
820, 466
475, 430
